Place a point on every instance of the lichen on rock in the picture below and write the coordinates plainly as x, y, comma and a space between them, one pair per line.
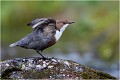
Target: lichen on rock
51, 68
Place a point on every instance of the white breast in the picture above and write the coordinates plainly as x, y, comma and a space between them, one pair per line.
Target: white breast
59, 33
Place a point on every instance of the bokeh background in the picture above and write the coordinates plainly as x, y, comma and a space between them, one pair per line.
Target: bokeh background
92, 40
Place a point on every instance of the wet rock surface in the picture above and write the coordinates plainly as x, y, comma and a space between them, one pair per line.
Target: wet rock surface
51, 68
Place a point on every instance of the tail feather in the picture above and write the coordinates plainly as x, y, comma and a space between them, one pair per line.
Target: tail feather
12, 45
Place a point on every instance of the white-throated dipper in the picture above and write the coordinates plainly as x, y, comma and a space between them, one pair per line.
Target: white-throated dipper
46, 32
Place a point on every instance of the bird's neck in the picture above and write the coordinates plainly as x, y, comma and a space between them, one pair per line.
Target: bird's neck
59, 33
64, 27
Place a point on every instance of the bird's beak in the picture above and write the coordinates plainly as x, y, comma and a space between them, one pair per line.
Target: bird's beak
70, 22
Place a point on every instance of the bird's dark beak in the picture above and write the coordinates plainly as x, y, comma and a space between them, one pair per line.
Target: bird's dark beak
70, 22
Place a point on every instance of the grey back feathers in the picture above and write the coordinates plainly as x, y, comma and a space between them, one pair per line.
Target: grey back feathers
39, 38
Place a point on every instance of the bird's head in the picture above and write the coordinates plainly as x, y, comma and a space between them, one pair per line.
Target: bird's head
62, 24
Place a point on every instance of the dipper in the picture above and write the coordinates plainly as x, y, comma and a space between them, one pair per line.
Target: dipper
46, 32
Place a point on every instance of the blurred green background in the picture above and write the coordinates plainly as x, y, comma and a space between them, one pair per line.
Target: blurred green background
92, 40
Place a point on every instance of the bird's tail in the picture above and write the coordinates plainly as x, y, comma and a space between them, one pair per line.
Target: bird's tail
12, 45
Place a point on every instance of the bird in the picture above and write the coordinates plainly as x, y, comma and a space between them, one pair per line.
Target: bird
46, 32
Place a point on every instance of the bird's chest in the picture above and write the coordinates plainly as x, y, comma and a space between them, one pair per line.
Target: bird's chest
48, 32
48, 36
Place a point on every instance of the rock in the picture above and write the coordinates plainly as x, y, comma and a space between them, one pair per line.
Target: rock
51, 68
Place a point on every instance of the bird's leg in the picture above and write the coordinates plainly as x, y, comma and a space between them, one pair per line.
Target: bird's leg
41, 55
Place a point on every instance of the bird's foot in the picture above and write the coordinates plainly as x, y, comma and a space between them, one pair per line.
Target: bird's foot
44, 58
47, 58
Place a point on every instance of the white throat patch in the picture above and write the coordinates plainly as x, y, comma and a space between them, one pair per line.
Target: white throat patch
59, 33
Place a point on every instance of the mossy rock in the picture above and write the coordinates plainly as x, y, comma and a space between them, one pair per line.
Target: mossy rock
51, 68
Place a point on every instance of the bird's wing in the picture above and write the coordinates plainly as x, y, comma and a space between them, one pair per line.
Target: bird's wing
33, 41
24, 42
37, 22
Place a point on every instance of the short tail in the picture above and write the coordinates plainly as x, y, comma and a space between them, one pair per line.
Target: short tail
12, 45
